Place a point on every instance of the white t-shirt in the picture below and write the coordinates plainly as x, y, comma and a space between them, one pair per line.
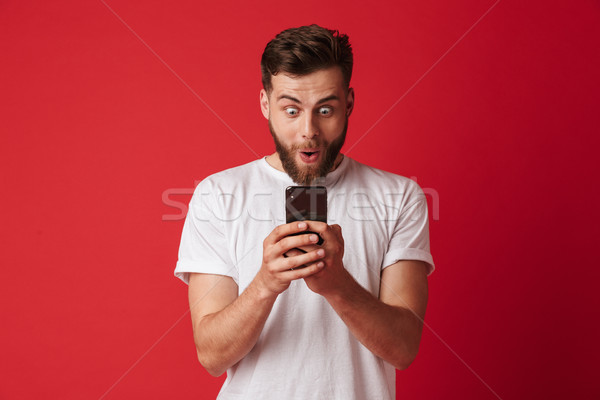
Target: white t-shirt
305, 350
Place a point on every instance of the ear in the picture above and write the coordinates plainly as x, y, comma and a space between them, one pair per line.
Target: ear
264, 103
350, 101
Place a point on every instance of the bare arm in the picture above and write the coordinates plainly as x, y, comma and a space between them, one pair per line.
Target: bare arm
390, 326
226, 326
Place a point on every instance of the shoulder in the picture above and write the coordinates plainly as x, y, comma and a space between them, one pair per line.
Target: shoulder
363, 176
224, 190
218, 190
230, 178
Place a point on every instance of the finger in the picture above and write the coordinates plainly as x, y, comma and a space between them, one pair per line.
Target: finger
284, 230
310, 247
292, 242
303, 271
301, 260
317, 226
333, 231
324, 230
302, 250
296, 251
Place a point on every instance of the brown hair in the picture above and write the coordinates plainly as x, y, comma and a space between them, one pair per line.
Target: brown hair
303, 50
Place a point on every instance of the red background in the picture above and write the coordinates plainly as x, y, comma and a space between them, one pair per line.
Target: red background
96, 128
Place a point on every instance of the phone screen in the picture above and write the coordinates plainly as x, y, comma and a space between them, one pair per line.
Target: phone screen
306, 203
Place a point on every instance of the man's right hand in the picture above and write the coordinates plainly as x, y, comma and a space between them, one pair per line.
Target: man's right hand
278, 271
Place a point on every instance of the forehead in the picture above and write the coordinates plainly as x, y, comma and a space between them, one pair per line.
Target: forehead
316, 84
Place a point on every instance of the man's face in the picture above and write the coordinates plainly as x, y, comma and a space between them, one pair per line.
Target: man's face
308, 119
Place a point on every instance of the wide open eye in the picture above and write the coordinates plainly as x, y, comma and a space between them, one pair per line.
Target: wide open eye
291, 111
325, 111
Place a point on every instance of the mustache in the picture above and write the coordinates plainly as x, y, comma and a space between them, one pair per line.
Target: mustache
309, 145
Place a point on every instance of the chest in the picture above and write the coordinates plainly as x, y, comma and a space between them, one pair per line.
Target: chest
366, 229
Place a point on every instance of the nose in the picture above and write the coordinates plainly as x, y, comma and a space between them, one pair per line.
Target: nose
309, 126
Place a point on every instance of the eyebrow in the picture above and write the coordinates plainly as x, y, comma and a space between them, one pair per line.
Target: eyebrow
295, 100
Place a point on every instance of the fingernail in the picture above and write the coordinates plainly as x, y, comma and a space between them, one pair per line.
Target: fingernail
302, 225
321, 252
320, 265
314, 238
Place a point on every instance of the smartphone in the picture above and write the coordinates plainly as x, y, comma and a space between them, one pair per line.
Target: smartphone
306, 203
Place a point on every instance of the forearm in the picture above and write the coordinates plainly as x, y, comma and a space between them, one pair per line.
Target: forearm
223, 338
390, 332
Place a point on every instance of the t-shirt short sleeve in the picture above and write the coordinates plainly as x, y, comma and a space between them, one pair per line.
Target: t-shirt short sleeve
203, 247
410, 237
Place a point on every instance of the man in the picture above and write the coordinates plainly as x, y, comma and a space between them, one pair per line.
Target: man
332, 321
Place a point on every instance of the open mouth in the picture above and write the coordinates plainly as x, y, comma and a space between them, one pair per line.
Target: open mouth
309, 156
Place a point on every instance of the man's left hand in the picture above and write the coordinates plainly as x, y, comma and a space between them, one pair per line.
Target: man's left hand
333, 276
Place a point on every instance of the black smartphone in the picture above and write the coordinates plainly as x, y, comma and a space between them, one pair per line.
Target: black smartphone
306, 203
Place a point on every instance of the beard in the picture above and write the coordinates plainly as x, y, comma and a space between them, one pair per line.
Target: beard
304, 175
